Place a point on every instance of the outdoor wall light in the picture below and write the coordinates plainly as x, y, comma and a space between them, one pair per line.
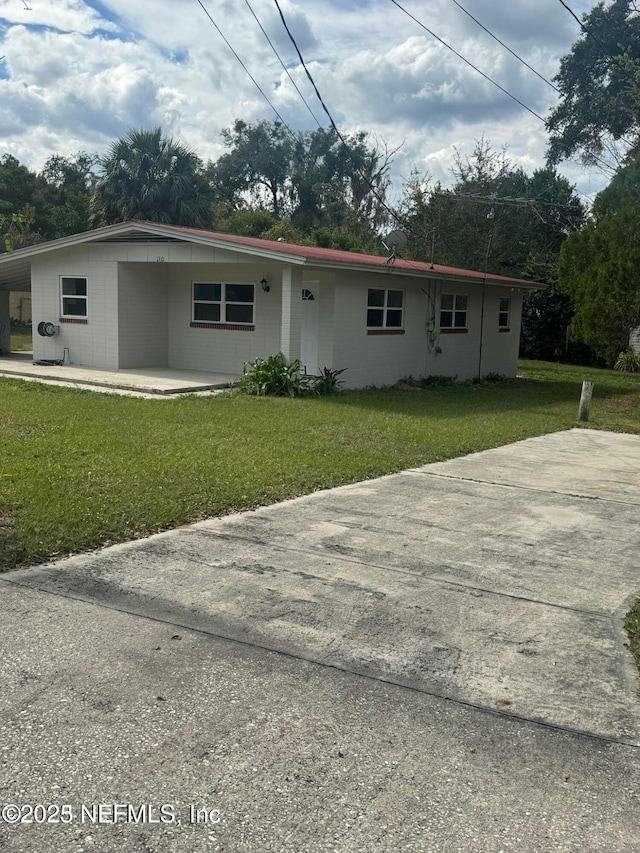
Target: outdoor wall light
265, 285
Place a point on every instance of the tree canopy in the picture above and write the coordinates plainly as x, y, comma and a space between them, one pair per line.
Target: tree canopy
146, 175
498, 218
599, 80
599, 266
44, 206
309, 178
495, 216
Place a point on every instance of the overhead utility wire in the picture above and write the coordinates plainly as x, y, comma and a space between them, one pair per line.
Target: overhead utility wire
475, 68
257, 85
286, 70
335, 127
487, 199
506, 46
588, 32
464, 59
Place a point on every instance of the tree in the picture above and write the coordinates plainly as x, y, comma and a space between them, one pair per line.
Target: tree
498, 218
259, 163
51, 204
599, 266
599, 81
65, 193
495, 216
16, 229
309, 177
19, 195
149, 176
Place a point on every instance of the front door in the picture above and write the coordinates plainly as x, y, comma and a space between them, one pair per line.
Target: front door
309, 329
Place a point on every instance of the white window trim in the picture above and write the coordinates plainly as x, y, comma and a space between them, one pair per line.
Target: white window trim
70, 296
222, 303
506, 325
453, 312
384, 308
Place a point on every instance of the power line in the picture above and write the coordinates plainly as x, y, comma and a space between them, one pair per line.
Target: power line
506, 46
603, 163
588, 32
257, 85
464, 59
286, 70
334, 126
585, 30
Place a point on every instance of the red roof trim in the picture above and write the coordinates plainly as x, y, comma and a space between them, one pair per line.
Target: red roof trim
315, 253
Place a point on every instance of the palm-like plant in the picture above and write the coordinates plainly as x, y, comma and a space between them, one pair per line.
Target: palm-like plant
150, 176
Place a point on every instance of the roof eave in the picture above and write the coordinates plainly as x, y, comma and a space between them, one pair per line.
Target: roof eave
437, 275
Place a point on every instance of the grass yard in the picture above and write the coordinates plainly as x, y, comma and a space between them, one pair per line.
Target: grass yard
80, 469
21, 340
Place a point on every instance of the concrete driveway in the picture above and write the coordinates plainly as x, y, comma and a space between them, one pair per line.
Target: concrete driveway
431, 661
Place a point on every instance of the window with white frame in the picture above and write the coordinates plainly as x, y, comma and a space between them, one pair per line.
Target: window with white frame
504, 311
385, 308
215, 302
73, 296
453, 311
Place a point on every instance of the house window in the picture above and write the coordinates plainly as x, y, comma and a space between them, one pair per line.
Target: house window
223, 303
453, 311
384, 309
503, 313
73, 296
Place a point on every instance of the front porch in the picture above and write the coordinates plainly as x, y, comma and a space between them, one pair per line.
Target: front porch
149, 380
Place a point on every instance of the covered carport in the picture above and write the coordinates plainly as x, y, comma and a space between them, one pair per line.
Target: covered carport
14, 278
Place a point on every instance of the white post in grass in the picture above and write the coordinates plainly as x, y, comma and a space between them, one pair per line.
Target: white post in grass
585, 401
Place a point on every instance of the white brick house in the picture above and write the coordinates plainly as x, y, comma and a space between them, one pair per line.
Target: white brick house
143, 295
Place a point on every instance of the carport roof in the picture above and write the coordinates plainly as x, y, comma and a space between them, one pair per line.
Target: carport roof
15, 268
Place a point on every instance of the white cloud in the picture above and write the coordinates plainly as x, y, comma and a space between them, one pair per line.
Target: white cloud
74, 78
64, 15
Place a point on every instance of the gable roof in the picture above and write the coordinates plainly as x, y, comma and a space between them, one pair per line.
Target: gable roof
15, 268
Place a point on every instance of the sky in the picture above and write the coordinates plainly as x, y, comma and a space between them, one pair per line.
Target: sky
77, 75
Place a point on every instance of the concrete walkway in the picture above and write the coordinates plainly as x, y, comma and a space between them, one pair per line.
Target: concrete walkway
431, 661
148, 381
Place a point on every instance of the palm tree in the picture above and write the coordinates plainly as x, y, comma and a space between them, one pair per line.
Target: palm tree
150, 176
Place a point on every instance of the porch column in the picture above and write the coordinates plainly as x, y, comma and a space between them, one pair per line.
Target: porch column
291, 311
5, 323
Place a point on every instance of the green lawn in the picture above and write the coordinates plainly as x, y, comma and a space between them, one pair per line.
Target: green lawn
79, 469
21, 340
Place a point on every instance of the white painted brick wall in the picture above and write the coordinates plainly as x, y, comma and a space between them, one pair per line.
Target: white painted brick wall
94, 344
221, 350
163, 295
382, 359
377, 359
143, 315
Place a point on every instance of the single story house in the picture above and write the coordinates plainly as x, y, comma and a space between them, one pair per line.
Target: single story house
145, 295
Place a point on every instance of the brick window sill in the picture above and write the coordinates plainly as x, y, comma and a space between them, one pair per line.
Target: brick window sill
235, 327
78, 320
504, 330
454, 331
385, 331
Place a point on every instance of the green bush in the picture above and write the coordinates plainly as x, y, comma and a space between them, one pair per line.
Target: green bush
327, 382
273, 377
628, 362
489, 378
